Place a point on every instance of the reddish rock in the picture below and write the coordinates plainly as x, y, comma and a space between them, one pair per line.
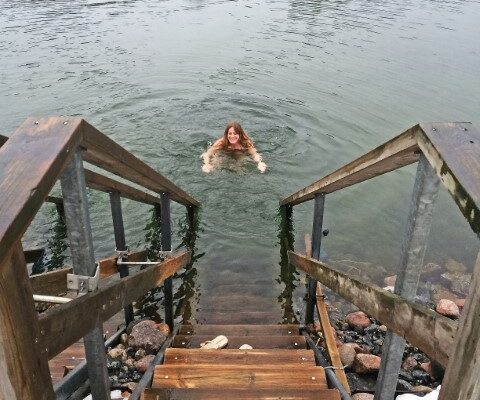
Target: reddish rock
409, 363
431, 271
358, 319
460, 303
143, 364
347, 354
427, 367
421, 389
448, 308
145, 336
366, 363
164, 328
362, 396
390, 280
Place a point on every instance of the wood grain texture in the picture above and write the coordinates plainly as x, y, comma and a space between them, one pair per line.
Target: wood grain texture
108, 266
429, 331
107, 154
47, 144
24, 373
105, 184
453, 150
241, 394
240, 330
394, 154
234, 342
330, 342
238, 376
53, 283
65, 324
239, 357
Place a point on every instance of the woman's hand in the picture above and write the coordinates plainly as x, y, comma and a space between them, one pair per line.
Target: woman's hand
262, 166
207, 168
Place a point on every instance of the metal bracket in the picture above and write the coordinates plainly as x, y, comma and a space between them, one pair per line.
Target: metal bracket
165, 254
122, 253
83, 283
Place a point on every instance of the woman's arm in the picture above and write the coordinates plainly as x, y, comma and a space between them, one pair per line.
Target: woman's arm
207, 167
257, 158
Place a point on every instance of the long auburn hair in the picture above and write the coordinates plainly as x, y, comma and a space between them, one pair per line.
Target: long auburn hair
244, 139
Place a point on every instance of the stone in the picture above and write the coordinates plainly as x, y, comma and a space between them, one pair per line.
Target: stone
382, 328
130, 363
143, 364
145, 336
431, 271
163, 328
438, 292
422, 389
427, 367
460, 303
390, 280
366, 363
390, 289
347, 354
448, 308
420, 376
361, 383
124, 339
358, 319
140, 353
404, 386
136, 322
362, 396
120, 346
409, 363
130, 386
455, 266
461, 285
116, 354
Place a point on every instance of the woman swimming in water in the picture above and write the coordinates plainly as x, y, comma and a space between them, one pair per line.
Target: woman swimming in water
234, 140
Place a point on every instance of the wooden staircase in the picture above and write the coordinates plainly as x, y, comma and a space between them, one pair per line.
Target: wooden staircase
278, 367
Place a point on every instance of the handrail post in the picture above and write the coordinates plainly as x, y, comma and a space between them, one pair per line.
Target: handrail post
120, 244
166, 242
83, 260
316, 246
411, 261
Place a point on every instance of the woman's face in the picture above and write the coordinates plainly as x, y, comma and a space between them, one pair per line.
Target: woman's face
232, 136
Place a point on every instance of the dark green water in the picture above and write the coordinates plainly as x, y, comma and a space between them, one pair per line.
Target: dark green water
315, 83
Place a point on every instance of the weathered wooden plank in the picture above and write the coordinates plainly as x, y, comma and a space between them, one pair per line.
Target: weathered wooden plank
105, 153
461, 376
453, 150
24, 373
394, 154
234, 342
53, 283
108, 266
330, 342
239, 330
47, 144
239, 357
65, 324
238, 376
105, 184
241, 394
240, 317
422, 327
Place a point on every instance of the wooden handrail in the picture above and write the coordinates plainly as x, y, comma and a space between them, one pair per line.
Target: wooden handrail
107, 154
63, 325
429, 331
453, 150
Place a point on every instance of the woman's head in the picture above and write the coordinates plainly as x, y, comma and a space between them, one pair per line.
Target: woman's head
234, 133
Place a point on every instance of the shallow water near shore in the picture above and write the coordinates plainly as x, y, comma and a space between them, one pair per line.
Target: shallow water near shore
314, 83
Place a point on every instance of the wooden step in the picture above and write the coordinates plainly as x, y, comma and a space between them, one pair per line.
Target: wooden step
240, 317
234, 342
238, 376
239, 357
241, 394
240, 330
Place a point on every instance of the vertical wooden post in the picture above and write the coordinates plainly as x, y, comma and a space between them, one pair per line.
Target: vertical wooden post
120, 243
461, 380
166, 242
316, 246
411, 261
83, 260
24, 373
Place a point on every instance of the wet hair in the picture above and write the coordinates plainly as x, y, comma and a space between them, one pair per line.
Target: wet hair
244, 139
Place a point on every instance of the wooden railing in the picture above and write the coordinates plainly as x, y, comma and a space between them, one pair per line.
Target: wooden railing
32, 159
447, 153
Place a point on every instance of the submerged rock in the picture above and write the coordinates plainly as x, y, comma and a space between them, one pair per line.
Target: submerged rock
447, 308
455, 266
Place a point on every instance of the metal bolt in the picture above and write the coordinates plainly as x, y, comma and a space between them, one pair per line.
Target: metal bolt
36, 122
176, 358
303, 358
296, 344
65, 123
188, 332
313, 378
183, 342
289, 331
36, 340
433, 129
166, 376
